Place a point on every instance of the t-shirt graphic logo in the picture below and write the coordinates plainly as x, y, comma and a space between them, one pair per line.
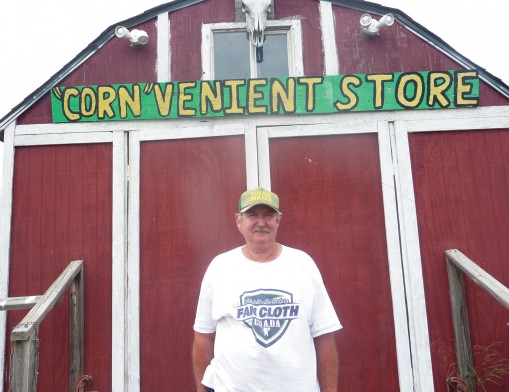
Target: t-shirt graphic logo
268, 313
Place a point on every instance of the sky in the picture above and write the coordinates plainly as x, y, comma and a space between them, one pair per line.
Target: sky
40, 36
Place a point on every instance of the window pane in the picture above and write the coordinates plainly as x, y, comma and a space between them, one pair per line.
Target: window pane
231, 55
275, 57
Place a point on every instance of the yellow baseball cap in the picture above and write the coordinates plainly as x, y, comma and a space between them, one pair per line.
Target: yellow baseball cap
254, 197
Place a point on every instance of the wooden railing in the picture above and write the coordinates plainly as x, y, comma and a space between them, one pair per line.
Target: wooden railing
457, 265
24, 341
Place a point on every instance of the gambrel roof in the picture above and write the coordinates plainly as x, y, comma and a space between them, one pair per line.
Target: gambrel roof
359, 5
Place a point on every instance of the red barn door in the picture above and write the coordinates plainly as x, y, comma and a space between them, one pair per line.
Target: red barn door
62, 212
461, 187
331, 194
188, 195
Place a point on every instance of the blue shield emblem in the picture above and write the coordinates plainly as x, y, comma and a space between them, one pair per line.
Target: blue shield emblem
268, 312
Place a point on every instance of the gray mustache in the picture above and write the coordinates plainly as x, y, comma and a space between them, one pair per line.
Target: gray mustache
262, 230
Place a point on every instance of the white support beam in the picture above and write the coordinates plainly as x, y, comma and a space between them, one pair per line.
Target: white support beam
330, 51
5, 234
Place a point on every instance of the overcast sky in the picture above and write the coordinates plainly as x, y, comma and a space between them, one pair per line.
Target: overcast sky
40, 36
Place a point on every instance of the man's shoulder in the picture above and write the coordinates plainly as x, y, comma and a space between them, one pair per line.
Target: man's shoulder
227, 256
296, 252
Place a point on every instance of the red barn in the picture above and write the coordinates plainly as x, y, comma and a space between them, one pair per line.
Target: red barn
386, 146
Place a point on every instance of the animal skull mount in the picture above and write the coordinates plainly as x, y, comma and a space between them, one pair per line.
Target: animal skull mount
256, 20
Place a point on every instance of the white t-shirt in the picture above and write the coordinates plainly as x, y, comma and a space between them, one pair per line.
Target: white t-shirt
265, 316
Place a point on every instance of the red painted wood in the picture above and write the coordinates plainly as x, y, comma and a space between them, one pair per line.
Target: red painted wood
396, 50
186, 27
309, 15
331, 199
461, 184
62, 212
115, 63
189, 195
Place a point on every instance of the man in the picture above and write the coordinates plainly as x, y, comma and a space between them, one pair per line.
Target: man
264, 320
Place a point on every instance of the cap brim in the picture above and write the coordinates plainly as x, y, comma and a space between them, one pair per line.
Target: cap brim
258, 204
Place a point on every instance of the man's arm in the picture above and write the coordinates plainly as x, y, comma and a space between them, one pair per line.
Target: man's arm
327, 362
203, 352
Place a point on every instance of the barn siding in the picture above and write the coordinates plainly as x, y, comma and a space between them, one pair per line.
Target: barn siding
309, 14
333, 209
461, 185
62, 207
185, 28
114, 63
195, 183
62, 212
396, 50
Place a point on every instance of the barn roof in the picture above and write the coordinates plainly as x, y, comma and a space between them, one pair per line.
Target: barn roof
360, 5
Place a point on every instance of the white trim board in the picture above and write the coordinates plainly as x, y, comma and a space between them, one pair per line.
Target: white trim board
55, 139
163, 66
403, 352
411, 259
133, 267
330, 52
491, 117
5, 234
119, 262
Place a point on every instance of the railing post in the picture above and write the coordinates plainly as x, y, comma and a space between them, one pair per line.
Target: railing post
76, 329
25, 358
464, 356
24, 335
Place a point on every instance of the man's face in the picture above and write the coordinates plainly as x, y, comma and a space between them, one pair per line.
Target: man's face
259, 224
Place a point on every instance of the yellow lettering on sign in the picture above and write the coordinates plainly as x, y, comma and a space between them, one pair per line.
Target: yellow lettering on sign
310, 91
464, 87
184, 97
163, 99
283, 97
353, 98
254, 95
88, 102
208, 97
402, 88
69, 114
234, 96
439, 82
127, 100
378, 92
105, 97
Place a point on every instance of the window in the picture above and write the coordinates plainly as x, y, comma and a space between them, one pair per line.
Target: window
282, 53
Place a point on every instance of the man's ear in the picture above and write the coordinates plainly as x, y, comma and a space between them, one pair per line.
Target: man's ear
238, 217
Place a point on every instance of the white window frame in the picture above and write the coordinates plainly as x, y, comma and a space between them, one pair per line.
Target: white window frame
293, 27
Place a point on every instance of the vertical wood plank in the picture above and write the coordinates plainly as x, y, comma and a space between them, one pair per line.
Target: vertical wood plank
405, 372
24, 364
133, 267
411, 256
76, 343
5, 233
119, 261
464, 356
163, 48
329, 38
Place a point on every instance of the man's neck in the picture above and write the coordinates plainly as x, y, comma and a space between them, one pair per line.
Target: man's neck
262, 254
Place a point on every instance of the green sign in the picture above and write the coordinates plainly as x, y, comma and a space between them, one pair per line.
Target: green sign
293, 95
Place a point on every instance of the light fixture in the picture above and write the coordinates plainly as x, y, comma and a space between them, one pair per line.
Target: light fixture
371, 27
136, 37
